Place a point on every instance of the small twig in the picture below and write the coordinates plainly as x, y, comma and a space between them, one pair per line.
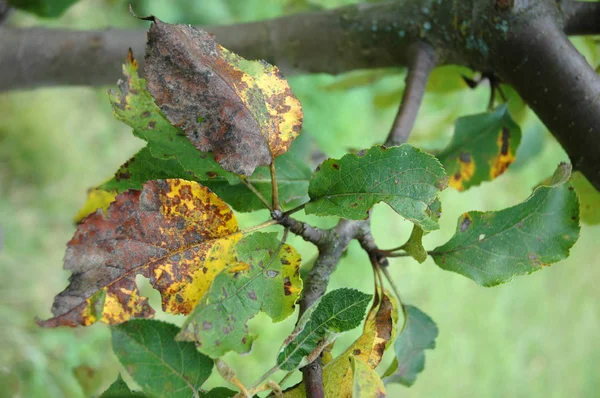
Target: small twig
274, 188
421, 64
255, 191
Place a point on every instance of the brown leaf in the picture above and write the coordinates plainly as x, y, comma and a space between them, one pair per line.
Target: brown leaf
243, 111
177, 233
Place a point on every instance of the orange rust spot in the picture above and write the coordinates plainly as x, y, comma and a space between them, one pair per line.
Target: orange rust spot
464, 173
505, 157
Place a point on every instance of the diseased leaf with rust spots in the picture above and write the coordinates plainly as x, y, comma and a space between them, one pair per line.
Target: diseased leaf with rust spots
366, 381
492, 247
176, 233
419, 334
161, 366
292, 179
134, 106
378, 334
243, 111
96, 199
482, 148
263, 276
404, 177
336, 312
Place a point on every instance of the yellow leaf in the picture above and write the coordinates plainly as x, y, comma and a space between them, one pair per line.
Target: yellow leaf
367, 382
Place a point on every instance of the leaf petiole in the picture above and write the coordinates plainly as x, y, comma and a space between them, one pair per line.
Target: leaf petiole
274, 188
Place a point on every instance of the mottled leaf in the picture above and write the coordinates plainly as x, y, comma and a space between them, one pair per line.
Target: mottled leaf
96, 199
418, 335
292, 179
482, 148
264, 276
243, 111
120, 389
366, 381
589, 199
161, 366
43, 8
336, 312
378, 333
404, 177
176, 233
134, 106
492, 247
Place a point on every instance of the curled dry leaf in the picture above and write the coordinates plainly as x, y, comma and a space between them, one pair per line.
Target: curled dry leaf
177, 233
243, 111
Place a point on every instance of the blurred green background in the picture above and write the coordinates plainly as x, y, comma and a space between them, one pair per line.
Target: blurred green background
536, 336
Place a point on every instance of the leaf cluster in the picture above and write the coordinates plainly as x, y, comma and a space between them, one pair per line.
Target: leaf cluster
219, 132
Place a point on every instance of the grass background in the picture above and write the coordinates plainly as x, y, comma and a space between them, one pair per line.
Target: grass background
536, 336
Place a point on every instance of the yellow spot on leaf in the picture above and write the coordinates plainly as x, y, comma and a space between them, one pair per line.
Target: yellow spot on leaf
464, 173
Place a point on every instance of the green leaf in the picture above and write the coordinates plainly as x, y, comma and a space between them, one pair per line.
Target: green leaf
360, 78
292, 176
336, 312
492, 247
404, 177
160, 365
589, 199
447, 79
419, 334
414, 245
264, 277
120, 389
218, 392
482, 148
135, 107
43, 8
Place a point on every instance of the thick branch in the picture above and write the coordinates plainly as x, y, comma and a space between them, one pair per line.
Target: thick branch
582, 18
559, 85
422, 62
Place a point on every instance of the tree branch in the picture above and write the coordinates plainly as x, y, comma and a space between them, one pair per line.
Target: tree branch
422, 62
581, 18
485, 35
559, 85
